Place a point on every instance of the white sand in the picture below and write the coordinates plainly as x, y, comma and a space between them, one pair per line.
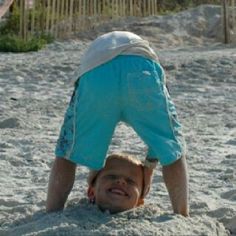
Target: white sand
35, 91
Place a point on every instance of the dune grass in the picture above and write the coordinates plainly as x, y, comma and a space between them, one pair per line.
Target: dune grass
14, 43
10, 41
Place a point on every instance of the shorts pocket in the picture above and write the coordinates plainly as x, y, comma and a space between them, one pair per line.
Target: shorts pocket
145, 90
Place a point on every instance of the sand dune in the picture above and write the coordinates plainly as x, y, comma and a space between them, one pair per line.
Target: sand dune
35, 89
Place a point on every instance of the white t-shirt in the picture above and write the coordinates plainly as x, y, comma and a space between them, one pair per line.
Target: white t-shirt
112, 44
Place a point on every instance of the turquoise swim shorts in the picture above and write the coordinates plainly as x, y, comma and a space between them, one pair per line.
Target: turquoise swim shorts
129, 89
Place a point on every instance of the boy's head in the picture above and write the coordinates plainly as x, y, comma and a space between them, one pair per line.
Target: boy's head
118, 186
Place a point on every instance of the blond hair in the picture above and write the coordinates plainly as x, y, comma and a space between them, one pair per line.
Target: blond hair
118, 156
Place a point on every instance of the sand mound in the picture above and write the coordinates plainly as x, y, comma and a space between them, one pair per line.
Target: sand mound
84, 219
196, 25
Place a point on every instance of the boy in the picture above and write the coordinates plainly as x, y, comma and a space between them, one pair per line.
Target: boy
118, 186
120, 79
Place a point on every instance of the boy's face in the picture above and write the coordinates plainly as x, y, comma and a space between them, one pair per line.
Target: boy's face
118, 186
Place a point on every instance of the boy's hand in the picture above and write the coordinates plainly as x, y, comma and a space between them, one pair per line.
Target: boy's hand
148, 172
149, 166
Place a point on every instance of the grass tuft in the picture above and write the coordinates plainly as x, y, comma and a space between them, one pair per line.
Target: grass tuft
14, 43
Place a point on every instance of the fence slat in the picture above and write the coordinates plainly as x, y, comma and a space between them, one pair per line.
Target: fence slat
226, 23
48, 15
61, 19
71, 16
21, 18
53, 17
233, 16
25, 20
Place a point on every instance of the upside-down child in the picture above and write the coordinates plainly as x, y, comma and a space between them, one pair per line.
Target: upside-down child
120, 79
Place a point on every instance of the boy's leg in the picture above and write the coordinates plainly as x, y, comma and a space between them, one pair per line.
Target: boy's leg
60, 184
90, 119
96, 114
150, 111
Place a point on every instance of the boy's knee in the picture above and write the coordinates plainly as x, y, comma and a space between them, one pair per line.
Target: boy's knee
63, 162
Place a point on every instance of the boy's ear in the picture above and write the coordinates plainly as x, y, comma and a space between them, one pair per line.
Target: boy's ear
91, 193
140, 202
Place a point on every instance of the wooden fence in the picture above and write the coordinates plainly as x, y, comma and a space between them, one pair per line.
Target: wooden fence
62, 18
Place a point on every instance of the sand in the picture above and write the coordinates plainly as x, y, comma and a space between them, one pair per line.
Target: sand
35, 89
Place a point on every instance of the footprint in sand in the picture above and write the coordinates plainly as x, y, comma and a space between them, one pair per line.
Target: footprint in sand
229, 160
230, 125
231, 142
4, 146
230, 195
9, 123
232, 226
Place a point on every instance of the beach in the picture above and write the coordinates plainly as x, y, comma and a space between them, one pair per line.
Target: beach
35, 90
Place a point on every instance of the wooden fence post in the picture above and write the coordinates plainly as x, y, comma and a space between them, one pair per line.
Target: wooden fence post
53, 10
62, 19
124, 8
43, 16
226, 21
25, 20
130, 8
233, 39
48, 16
71, 16
149, 7
32, 19
21, 18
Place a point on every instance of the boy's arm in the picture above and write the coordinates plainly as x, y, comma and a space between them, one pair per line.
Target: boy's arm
176, 180
60, 184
